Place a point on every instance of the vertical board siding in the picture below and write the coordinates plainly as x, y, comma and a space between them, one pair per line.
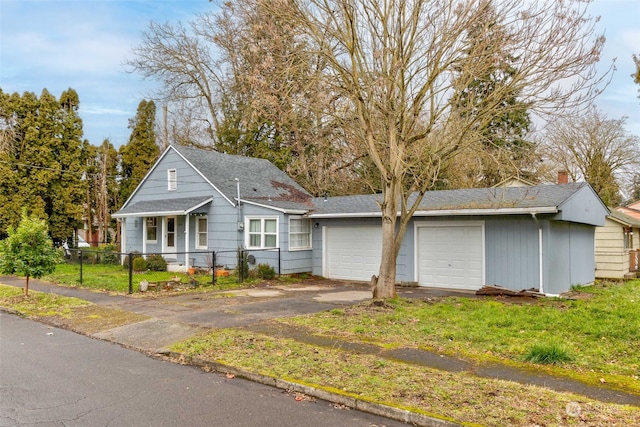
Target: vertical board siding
512, 254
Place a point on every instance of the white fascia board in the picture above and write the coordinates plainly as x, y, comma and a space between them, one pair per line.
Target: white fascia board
284, 211
193, 208
348, 215
152, 213
500, 211
447, 212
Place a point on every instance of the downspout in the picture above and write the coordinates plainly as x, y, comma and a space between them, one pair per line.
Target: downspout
540, 264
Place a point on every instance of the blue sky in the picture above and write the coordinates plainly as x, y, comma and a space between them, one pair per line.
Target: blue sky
57, 44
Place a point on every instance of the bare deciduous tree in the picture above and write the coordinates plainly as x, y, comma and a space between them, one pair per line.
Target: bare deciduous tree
594, 148
244, 85
396, 63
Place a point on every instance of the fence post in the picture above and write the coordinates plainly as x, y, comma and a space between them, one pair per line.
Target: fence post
80, 251
130, 255
213, 267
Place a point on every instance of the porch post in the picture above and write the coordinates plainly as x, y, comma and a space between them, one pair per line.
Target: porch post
144, 235
186, 243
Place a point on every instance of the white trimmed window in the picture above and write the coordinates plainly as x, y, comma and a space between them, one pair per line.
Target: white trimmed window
172, 180
261, 233
201, 232
151, 224
299, 233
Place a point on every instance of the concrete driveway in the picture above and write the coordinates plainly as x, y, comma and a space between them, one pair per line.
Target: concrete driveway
173, 317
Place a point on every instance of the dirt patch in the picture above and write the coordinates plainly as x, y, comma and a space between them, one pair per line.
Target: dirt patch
93, 318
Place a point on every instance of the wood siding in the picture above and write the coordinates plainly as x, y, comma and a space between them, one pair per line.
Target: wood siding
612, 259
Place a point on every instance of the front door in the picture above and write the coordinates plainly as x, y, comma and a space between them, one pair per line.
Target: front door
170, 236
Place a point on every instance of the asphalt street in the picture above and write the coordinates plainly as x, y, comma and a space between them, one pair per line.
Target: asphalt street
54, 377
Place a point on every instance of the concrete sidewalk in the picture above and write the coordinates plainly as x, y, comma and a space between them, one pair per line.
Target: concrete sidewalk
174, 318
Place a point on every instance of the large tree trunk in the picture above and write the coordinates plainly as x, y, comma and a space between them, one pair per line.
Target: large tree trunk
385, 286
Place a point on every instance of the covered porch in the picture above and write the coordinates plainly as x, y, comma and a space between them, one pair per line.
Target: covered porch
172, 228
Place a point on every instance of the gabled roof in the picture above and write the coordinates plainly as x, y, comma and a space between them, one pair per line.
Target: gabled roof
624, 219
478, 201
260, 181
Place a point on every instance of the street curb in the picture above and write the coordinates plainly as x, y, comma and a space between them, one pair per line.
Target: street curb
351, 402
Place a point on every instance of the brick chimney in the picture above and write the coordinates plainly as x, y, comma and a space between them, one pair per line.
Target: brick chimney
563, 177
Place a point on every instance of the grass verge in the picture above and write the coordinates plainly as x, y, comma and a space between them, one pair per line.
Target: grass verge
599, 330
461, 396
71, 313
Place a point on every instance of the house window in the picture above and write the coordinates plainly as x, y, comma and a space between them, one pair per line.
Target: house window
299, 233
172, 179
201, 232
263, 233
152, 229
628, 238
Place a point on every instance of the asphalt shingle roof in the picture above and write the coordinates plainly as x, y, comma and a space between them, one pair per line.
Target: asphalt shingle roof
540, 196
260, 180
164, 206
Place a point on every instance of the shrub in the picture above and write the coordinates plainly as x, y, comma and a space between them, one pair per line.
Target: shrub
135, 256
109, 254
266, 272
547, 354
139, 264
156, 262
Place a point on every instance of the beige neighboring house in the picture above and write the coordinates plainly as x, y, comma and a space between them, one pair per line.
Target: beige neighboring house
617, 245
514, 181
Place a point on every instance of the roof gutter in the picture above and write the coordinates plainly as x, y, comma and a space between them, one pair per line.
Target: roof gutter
448, 212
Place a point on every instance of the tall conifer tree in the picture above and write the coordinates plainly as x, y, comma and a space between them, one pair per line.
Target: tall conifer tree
40, 164
140, 153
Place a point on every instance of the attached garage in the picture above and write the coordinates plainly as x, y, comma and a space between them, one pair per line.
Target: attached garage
352, 253
539, 237
450, 255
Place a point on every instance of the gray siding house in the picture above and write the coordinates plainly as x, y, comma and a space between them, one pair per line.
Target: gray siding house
539, 237
186, 208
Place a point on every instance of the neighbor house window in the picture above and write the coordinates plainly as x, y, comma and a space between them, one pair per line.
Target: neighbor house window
152, 229
172, 179
628, 238
201, 232
299, 233
263, 232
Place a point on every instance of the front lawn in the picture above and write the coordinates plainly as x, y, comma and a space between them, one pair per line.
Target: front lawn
598, 329
592, 336
115, 278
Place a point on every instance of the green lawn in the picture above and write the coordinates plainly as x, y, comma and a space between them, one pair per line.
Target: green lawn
599, 330
594, 336
115, 278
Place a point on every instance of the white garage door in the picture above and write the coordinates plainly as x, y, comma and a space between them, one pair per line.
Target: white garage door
352, 253
451, 256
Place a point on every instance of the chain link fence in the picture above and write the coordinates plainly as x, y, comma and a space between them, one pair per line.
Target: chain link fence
165, 271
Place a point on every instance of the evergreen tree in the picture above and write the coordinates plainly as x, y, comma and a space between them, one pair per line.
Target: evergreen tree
40, 164
141, 152
502, 149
